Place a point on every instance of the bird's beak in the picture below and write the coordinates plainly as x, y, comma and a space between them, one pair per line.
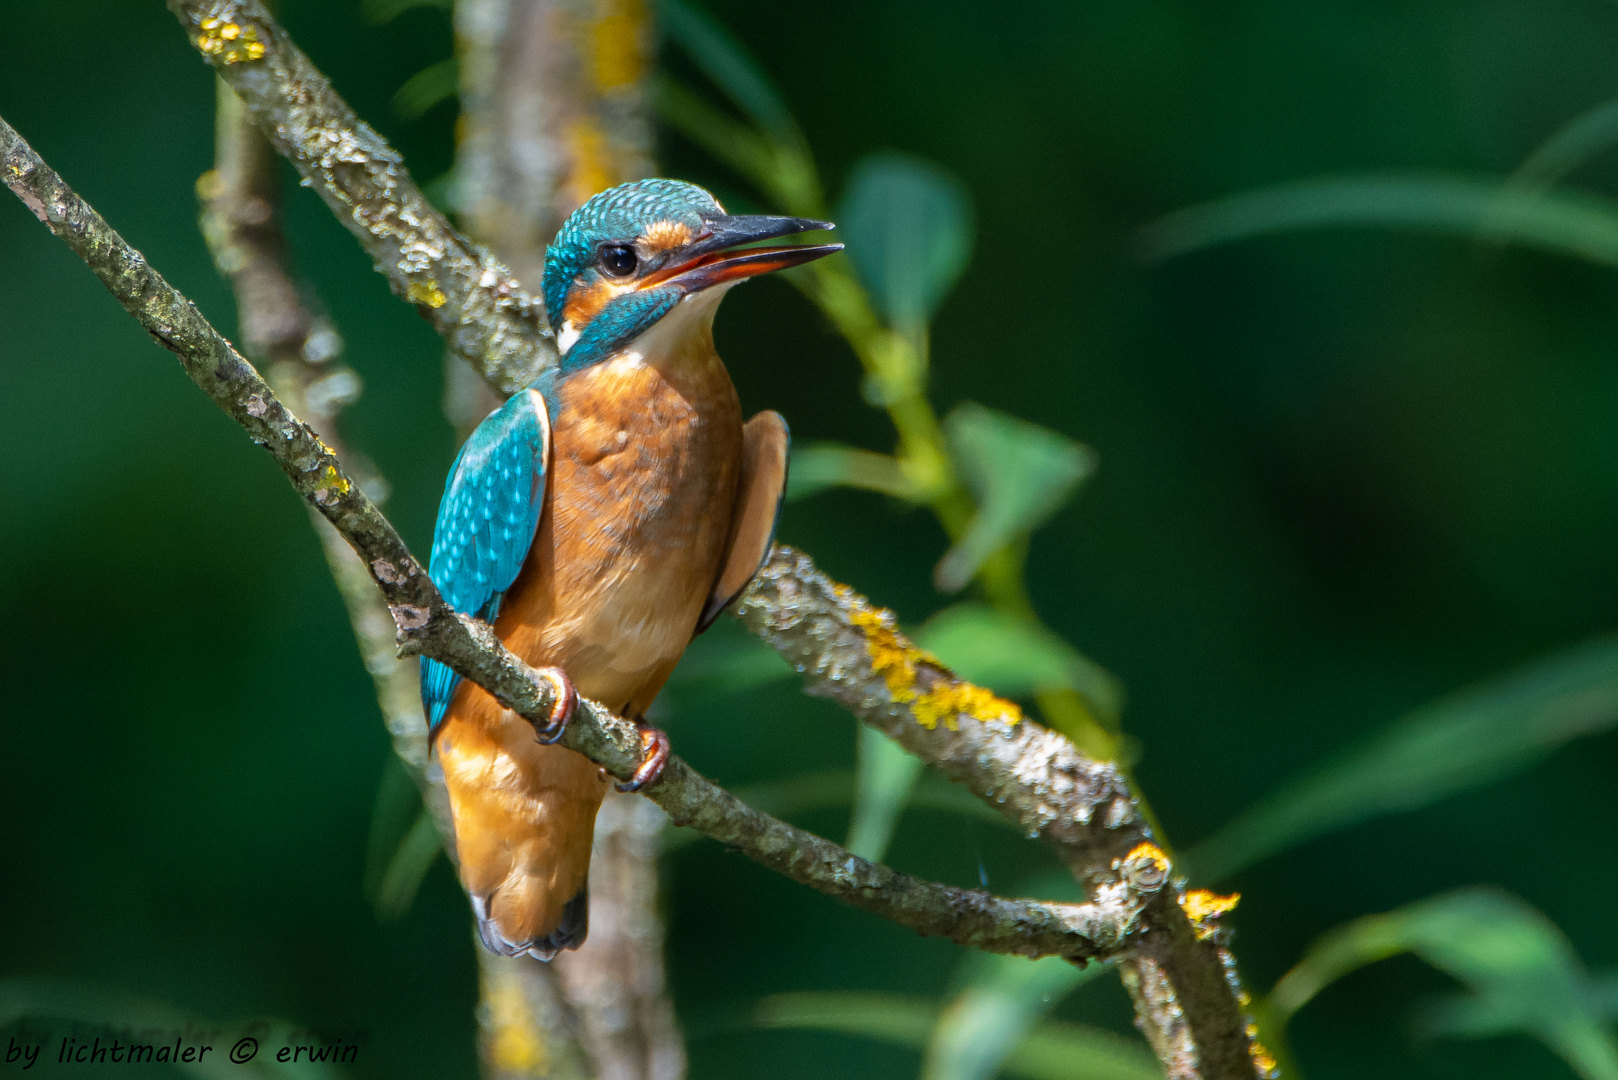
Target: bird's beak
713, 259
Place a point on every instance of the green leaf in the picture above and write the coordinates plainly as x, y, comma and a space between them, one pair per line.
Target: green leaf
426, 88
392, 816
144, 1019
1463, 741
1562, 222
1021, 474
725, 660
1522, 973
417, 851
1574, 143
884, 779
821, 466
1003, 998
378, 12
722, 58
1050, 1052
908, 227
1017, 657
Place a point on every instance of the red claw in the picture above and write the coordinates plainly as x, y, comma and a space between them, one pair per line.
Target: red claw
656, 745
567, 699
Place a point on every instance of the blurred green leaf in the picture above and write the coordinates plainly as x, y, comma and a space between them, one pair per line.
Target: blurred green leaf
725, 660
1471, 738
1021, 474
417, 851
1562, 222
728, 63
1574, 143
426, 88
1050, 1052
884, 779
378, 12
1003, 997
143, 1019
908, 227
392, 814
1521, 971
1016, 657
821, 466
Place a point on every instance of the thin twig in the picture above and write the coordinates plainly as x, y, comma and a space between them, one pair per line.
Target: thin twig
470, 297
427, 625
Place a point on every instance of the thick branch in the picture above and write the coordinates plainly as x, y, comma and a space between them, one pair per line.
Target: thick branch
851, 651
470, 297
429, 626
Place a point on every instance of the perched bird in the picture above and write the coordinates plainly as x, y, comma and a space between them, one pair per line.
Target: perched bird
598, 520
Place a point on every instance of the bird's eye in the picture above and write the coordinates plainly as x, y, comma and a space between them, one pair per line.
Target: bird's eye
618, 260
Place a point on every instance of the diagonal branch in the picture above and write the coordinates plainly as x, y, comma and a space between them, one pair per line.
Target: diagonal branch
468, 295
427, 625
242, 223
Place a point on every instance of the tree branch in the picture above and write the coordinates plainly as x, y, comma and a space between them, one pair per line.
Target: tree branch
851, 651
241, 221
470, 297
427, 625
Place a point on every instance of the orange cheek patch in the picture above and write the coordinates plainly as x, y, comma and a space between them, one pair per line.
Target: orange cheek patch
666, 236
585, 302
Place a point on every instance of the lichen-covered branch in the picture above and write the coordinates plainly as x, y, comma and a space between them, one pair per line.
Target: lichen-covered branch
851, 651
241, 220
426, 625
553, 110
470, 297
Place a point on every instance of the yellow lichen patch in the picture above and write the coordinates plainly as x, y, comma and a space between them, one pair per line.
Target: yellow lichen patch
332, 481
1263, 1060
229, 41
617, 44
895, 659
949, 700
427, 293
1202, 906
1151, 853
518, 1046
589, 164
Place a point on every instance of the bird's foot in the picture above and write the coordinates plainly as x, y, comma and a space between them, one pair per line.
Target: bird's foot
567, 699
655, 744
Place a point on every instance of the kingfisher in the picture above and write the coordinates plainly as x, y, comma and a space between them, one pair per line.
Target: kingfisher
598, 520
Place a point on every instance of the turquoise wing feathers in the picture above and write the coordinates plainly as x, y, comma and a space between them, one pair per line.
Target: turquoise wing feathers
486, 523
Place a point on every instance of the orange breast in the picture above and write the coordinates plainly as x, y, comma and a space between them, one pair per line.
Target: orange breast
646, 456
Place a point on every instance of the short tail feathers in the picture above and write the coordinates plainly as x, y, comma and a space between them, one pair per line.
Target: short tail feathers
569, 933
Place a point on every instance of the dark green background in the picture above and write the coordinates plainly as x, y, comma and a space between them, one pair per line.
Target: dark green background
1341, 474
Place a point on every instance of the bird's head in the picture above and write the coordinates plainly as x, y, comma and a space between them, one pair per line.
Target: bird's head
632, 254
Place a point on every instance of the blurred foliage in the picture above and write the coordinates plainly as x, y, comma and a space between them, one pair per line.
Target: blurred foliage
1340, 475
1522, 973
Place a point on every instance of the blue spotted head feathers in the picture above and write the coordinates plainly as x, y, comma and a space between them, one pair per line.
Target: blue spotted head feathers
618, 215
626, 257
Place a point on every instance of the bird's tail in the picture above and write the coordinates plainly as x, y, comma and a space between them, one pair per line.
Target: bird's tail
569, 933
524, 820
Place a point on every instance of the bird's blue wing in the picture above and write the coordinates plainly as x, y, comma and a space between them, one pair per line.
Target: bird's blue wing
486, 523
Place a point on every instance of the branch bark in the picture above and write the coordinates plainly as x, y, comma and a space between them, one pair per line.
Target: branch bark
428, 626
242, 222
469, 296
1182, 980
